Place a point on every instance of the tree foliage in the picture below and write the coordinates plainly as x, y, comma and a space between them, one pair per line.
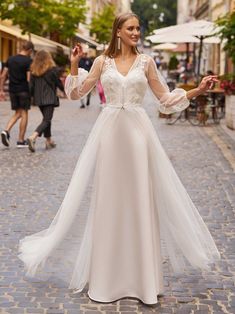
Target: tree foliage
227, 32
155, 14
101, 24
43, 17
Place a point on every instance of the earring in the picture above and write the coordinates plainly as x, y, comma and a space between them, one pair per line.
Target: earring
119, 43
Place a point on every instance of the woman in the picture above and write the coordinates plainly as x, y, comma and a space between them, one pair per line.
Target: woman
137, 196
44, 81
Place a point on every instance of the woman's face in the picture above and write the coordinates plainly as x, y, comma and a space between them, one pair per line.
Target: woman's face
130, 32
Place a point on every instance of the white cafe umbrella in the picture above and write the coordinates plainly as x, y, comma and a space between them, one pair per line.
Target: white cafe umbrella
195, 28
165, 46
173, 38
180, 38
202, 30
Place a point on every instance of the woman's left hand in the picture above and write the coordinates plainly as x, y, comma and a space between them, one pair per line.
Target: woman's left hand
207, 82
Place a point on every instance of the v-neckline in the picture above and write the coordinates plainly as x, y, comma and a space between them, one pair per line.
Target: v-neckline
131, 67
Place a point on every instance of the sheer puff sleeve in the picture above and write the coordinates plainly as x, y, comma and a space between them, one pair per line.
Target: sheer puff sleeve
169, 101
78, 86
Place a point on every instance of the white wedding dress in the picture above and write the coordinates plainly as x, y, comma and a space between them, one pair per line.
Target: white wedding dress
137, 198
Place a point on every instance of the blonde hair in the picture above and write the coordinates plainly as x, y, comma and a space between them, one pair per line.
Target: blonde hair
112, 50
42, 62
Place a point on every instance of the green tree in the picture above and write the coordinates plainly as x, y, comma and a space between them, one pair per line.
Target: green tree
227, 33
43, 17
155, 13
101, 24
173, 63
67, 15
25, 13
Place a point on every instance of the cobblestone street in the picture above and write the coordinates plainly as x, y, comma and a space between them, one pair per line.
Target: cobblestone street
33, 186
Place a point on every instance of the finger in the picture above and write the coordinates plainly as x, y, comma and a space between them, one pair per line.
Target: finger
76, 51
211, 77
208, 79
79, 46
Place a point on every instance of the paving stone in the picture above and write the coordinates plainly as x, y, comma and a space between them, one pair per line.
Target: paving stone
74, 312
71, 305
124, 308
51, 311
12, 311
34, 311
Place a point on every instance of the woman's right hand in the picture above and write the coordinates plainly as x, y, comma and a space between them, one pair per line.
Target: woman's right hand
77, 53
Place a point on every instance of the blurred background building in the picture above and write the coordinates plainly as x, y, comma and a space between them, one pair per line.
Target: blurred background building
11, 36
214, 58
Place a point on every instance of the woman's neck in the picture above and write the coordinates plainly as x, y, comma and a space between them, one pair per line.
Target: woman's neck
126, 52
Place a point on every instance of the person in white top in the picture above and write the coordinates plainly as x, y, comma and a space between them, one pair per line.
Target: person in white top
137, 198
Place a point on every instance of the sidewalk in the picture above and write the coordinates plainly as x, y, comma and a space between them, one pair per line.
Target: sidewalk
228, 131
33, 186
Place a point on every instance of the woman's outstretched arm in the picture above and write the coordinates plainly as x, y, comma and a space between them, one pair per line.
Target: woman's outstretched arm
178, 99
79, 82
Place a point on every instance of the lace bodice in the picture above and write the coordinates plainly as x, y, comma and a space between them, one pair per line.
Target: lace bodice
124, 90
128, 90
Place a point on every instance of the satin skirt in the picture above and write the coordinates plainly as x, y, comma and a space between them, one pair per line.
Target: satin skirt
138, 207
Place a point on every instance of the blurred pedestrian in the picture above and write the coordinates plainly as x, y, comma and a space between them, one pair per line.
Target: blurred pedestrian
181, 69
18, 69
2, 65
158, 62
164, 70
86, 64
43, 84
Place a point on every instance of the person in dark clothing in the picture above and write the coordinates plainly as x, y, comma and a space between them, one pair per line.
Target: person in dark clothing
86, 64
18, 69
43, 84
2, 65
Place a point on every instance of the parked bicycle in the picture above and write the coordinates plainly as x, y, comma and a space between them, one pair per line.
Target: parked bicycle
200, 110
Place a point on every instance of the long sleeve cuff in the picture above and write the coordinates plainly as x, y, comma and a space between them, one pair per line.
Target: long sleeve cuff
174, 101
74, 82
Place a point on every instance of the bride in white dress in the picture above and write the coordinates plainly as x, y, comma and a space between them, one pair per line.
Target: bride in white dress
139, 206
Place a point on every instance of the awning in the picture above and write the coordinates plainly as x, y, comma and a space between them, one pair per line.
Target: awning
89, 41
38, 41
51, 43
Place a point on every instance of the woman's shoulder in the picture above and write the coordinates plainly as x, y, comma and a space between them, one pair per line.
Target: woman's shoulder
146, 57
145, 61
100, 59
99, 62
